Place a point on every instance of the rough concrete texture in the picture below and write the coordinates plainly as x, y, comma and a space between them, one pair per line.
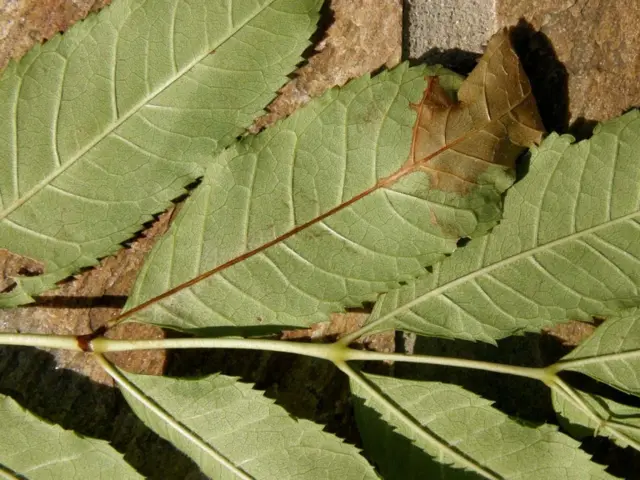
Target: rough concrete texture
596, 39
364, 36
361, 36
445, 31
87, 302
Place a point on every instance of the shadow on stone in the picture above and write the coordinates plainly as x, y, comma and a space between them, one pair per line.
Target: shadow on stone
528, 399
460, 61
621, 462
547, 75
61, 301
327, 18
76, 403
582, 128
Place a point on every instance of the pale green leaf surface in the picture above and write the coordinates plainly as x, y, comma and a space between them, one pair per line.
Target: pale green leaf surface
288, 175
568, 247
613, 352
355, 192
612, 356
104, 125
580, 425
470, 424
32, 448
248, 429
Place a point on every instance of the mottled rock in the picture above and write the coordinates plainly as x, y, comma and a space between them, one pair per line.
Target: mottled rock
597, 41
24, 23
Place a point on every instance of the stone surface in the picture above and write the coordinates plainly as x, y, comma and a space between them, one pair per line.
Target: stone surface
448, 31
87, 302
597, 41
364, 36
26, 22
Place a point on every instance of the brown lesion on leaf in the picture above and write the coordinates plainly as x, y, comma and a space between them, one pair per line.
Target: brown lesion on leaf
495, 120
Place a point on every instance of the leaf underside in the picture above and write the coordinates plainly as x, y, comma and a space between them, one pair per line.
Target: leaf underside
35, 449
351, 195
462, 419
103, 126
618, 335
580, 426
248, 429
568, 247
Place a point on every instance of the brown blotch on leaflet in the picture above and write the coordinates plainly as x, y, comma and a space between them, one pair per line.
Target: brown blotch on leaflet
494, 121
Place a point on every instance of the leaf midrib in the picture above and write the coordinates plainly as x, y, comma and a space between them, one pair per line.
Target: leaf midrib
135, 109
487, 269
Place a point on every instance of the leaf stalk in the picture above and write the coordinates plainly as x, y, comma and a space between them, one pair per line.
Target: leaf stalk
339, 354
336, 353
62, 342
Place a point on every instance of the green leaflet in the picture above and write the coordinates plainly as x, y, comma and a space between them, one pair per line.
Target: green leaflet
610, 355
580, 426
258, 438
104, 125
613, 351
351, 195
568, 247
486, 436
288, 175
35, 449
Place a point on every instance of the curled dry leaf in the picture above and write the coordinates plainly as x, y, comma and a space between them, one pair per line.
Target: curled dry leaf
494, 118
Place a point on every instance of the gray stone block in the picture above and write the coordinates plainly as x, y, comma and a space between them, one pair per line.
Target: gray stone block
448, 31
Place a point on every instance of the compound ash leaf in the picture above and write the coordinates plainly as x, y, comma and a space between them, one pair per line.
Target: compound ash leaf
486, 437
568, 247
233, 431
35, 449
103, 126
353, 193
